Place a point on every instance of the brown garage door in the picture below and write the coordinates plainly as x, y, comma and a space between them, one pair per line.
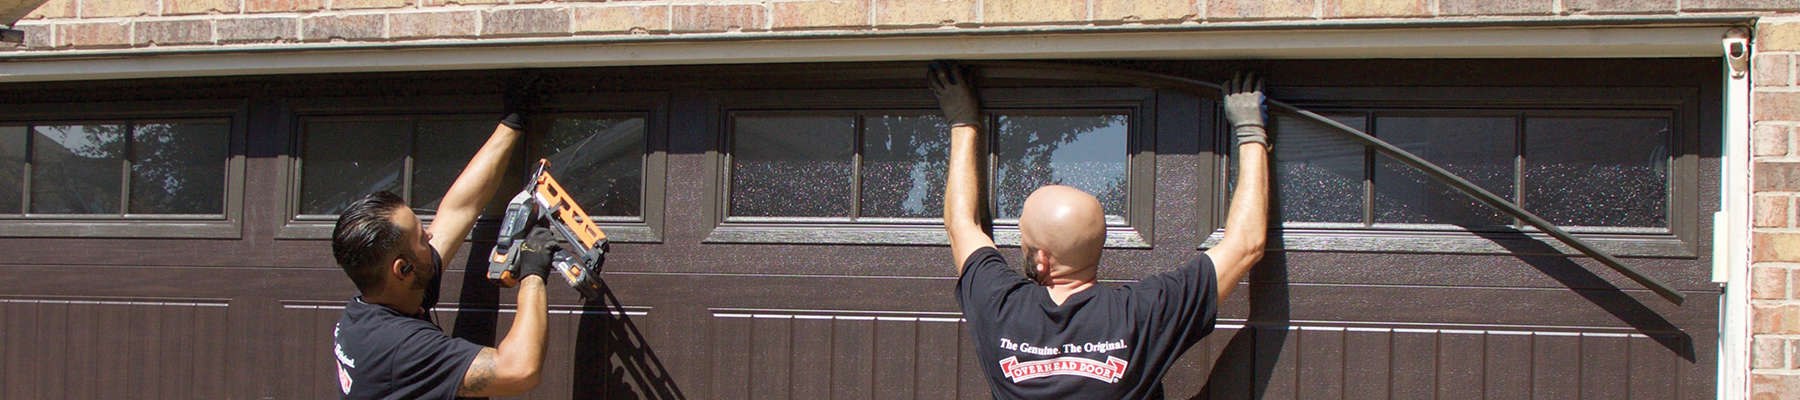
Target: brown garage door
776, 235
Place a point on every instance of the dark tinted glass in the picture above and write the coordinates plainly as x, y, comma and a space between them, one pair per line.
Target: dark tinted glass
1318, 170
1084, 151
179, 167
76, 168
344, 160
12, 169
792, 166
1479, 149
1598, 171
600, 161
441, 148
904, 161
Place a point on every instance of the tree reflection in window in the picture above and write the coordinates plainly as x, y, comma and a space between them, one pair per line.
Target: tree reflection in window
600, 161
117, 168
344, 160
76, 168
903, 165
178, 168
1086, 151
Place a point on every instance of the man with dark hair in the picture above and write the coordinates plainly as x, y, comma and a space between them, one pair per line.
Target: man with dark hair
1054, 332
385, 343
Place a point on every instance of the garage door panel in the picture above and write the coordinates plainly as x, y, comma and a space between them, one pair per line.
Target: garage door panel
1639, 310
1556, 366
1459, 367
1414, 366
1604, 362
1654, 371
1506, 365
1370, 352
1322, 367
1480, 271
1277, 361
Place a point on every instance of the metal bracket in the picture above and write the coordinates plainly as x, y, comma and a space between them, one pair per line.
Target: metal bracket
1737, 52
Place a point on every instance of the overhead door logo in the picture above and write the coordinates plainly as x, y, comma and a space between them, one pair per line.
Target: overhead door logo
1108, 371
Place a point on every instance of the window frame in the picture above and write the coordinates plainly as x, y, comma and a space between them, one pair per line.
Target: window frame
227, 224
652, 106
1679, 239
1133, 231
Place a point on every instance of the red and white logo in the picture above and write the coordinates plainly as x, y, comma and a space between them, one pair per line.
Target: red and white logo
1108, 371
343, 378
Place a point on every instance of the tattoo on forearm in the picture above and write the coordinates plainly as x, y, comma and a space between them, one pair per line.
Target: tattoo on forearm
481, 373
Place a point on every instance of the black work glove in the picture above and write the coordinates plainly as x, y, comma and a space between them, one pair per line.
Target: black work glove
535, 254
522, 95
956, 96
1244, 108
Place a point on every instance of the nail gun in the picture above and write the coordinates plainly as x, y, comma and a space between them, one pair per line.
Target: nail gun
543, 201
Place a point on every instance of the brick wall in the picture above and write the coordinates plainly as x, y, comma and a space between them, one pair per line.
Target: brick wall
62, 25
1775, 233
100, 24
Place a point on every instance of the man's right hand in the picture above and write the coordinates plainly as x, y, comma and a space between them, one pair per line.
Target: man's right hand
535, 254
955, 96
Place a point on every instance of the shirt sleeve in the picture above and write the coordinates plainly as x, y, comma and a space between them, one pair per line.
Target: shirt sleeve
984, 283
432, 363
1177, 307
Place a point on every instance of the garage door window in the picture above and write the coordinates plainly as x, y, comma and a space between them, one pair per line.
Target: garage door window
117, 168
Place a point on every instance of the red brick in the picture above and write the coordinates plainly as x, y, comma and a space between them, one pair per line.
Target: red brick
1496, 7
282, 5
118, 8
1772, 106
53, 9
1780, 319
1736, 5
1769, 140
821, 13
434, 3
1771, 210
432, 25
1033, 11
37, 37
1772, 246
196, 31
1620, 6
1771, 70
1793, 347
622, 19
1768, 352
1377, 8
719, 18
1258, 9
94, 34
1776, 176
1774, 386
525, 22
1768, 283
187, 7
1771, 36
345, 27
1106, 11
356, 4
259, 29
923, 12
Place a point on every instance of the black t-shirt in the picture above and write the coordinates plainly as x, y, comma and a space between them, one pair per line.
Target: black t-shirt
383, 354
1101, 343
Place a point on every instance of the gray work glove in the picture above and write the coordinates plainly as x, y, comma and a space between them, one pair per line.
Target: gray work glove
1244, 108
956, 96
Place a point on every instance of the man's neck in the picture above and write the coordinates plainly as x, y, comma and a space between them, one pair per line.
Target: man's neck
401, 305
1060, 289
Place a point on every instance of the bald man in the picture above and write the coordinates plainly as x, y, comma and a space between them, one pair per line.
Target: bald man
1052, 332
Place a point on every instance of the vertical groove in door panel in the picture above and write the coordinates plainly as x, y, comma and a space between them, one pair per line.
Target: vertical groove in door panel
1603, 363
1187, 378
293, 350
937, 360
1232, 372
811, 373
1322, 363
210, 365
174, 359
115, 343
1555, 366
1653, 370
1414, 366
1507, 366
972, 384
896, 359
1277, 361
1459, 364
324, 359
144, 366
771, 363
1366, 359
560, 364
87, 362
852, 361
730, 358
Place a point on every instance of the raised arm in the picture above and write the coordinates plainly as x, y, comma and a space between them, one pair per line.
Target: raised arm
1247, 223
514, 367
476, 184
964, 212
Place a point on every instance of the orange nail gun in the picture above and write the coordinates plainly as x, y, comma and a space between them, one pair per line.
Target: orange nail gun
544, 201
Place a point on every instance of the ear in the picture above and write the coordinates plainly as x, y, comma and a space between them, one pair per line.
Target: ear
400, 269
1042, 260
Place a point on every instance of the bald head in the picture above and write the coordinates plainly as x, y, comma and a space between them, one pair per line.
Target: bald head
1065, 222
